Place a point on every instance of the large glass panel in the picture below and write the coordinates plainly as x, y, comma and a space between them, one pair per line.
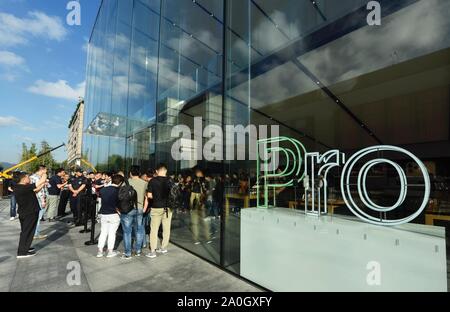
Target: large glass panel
120, 77
142, 84
121, 93
99, 123
331, 81
189, 91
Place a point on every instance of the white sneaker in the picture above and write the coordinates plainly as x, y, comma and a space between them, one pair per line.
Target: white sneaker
12, 219
160, 250
39, 237
151, 255
29, 255
100, 254
112, 254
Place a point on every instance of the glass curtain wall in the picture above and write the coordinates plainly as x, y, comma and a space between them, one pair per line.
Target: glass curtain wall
331, 81
315, 69
154, 65
190, 95
121, 91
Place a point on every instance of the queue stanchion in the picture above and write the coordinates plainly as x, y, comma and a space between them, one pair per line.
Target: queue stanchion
85, 208
93, 215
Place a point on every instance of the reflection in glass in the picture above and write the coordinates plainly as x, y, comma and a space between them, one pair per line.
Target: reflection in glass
315, 68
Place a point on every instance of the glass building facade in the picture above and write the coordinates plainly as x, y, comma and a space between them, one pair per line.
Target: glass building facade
316, 69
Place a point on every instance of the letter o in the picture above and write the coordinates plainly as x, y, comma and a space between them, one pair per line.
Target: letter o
357, 211
362, 185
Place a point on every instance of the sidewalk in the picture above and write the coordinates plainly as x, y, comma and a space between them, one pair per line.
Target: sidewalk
64, 248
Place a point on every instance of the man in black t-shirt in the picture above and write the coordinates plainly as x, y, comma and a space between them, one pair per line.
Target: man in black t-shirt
77, 186
29, 209
54, 191
198, 190
158, 191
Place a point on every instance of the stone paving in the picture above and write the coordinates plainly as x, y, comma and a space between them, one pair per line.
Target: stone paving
64, 250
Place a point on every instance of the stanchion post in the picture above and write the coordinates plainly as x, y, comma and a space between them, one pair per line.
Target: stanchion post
86, 203
93, 214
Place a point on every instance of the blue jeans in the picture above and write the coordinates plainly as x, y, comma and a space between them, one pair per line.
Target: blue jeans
13, 207
139, 229
41, 214
128, 221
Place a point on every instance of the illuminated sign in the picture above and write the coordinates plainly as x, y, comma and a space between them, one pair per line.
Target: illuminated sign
311, 169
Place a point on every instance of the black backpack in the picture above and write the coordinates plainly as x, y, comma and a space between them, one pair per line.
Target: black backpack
175, 199
127, 198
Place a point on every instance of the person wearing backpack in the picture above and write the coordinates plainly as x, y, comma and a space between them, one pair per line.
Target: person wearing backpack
159, 192
128, 209
109, 216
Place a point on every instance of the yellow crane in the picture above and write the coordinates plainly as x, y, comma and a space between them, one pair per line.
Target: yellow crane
89, 165
6, 174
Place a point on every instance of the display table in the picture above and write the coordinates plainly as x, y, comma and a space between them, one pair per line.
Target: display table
332, 204
430, 217
243, 197
285, 250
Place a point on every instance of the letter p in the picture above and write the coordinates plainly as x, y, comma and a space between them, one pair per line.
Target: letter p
269, 178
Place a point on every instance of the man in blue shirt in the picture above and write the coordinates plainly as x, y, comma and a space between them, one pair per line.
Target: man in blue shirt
54, 190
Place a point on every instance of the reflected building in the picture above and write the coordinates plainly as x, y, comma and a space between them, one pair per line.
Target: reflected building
315, 68
75, 141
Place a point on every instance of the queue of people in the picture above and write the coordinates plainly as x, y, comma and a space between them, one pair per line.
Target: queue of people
130, 204
36, 199
137, 205
118, 202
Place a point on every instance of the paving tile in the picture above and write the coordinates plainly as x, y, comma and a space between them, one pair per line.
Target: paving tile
49, 271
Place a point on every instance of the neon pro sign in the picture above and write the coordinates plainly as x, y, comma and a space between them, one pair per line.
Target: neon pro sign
299, 163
